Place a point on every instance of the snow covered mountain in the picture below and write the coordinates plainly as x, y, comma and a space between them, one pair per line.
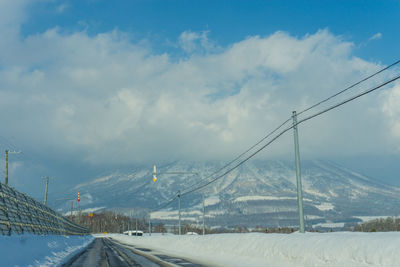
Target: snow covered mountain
256, 193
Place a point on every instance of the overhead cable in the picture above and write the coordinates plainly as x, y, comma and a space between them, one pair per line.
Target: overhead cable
164, 204
305, 110
349, 99
245, 152
287, 129
347, 88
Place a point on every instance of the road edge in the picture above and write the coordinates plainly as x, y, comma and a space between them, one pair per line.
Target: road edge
149, 256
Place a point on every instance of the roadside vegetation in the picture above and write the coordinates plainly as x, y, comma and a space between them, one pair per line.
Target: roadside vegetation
111, 222
379, 225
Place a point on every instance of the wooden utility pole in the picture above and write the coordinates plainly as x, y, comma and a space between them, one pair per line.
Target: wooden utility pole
46, 190
6, 169
72, 208
6, 181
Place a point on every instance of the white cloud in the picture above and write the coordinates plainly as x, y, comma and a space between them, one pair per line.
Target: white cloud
376, 36
61, 8
112, 100
12, 14
391, 109
191, 41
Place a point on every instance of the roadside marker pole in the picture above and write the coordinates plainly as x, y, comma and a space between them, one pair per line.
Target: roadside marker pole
298, 173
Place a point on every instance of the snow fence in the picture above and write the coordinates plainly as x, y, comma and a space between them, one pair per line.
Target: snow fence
20, 213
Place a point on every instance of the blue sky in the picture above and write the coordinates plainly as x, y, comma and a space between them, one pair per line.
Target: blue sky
91, 86
228, 21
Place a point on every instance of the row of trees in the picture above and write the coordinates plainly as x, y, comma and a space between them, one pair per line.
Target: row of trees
379, 225
111, 222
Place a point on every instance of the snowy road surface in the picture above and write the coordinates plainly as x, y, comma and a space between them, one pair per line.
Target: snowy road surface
340, 249
106, 252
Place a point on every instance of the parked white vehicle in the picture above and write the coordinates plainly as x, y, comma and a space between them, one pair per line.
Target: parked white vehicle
192, 233
133, 232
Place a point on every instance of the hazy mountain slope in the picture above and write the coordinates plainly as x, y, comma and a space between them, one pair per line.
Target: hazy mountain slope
258, 192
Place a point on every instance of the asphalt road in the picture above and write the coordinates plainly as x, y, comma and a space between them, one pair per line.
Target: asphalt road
104, 252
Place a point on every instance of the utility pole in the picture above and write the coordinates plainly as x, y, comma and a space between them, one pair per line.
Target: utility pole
298, 173
149, 226
79, 213
179, 211
204, 212
6, 182
136, 225
6, 169
179, 192
45, 192
149, 223
72, 208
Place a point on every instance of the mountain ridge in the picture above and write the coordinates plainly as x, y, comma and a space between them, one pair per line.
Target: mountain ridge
258, 192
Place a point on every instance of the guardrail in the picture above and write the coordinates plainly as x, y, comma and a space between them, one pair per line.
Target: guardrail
20, 213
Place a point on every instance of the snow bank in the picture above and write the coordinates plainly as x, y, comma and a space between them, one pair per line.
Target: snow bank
256, 249
40, 250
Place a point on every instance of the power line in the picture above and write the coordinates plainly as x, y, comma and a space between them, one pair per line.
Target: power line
305, 110
284, 131
240, 163
287, 129
164, 204
349, 99
280, 134
347, 88
245, 152
159, 173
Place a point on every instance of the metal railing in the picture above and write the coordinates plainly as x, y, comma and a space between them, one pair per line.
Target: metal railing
20, 214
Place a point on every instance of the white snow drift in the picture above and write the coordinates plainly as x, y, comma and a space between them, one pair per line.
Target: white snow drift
294, 250
339, 249
38, 250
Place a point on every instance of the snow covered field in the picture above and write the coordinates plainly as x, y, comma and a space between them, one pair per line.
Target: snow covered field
40, 250
256, 249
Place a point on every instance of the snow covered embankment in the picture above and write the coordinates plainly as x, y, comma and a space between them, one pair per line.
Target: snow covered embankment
40, 250
255, 249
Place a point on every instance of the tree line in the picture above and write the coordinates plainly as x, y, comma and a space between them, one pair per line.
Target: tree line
379, 225
112, 222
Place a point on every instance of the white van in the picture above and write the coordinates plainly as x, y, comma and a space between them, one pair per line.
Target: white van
192, 233
133, 232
